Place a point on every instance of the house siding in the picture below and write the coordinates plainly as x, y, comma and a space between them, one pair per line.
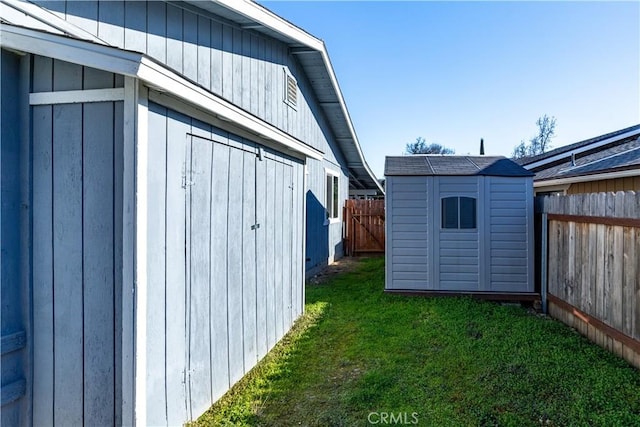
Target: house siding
76, 245
631, 183
245, 67
219, 302
14, 364
240, 65
146, 195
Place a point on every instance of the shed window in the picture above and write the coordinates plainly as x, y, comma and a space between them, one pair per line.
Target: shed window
332, 196
459, 212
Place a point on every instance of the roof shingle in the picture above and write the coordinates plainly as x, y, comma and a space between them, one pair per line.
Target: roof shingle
425, 165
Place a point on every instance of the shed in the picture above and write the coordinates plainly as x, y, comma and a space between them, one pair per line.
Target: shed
459, 224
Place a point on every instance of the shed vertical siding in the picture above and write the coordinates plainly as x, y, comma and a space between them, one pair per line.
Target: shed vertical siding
409, 233
74, 241
235, 304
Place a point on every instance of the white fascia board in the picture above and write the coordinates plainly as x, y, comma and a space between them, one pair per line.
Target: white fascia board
345, 112
272, 21
588, 147
50, 20
70, 50
586, 178
153, 74
265, 17
17, 17
165, 80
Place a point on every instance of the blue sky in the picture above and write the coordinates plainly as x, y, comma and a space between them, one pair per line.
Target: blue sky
453, 72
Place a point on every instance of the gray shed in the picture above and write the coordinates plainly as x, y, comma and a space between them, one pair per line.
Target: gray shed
459, 224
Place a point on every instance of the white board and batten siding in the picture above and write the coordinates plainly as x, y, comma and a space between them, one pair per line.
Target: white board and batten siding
494, 256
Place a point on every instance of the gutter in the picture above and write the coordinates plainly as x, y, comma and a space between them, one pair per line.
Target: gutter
589, 147
586, 178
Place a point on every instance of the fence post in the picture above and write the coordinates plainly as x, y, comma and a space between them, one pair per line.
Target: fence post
544, 249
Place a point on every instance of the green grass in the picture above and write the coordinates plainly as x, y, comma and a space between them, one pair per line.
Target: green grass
440, 361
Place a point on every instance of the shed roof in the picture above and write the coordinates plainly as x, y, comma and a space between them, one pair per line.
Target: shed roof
425, 165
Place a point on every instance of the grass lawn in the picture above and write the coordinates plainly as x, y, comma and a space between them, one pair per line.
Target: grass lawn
361, 357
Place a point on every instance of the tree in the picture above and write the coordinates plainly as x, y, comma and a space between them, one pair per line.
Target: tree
421, 147
540, 143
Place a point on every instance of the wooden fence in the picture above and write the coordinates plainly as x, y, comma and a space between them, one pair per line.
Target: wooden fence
363, 226
593, 267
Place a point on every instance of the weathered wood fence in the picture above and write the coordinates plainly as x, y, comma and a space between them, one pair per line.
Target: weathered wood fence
593, 267
363, 226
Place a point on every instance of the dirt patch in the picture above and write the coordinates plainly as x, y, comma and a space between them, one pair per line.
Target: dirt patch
340, 266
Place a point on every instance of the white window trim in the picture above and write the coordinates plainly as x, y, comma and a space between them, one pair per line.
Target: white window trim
333, 173
552, 188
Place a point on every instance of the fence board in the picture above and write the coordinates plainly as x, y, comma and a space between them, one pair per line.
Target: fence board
593, 273
364, 226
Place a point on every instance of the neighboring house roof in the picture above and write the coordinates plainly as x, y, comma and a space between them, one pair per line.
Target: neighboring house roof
425, 165
310, 52
602, 157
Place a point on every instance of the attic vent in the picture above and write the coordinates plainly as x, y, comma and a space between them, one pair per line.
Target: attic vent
290, 90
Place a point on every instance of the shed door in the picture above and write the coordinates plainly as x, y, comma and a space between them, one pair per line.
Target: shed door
458, 266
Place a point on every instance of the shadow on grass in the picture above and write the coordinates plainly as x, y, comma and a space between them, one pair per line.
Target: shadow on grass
440, 361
